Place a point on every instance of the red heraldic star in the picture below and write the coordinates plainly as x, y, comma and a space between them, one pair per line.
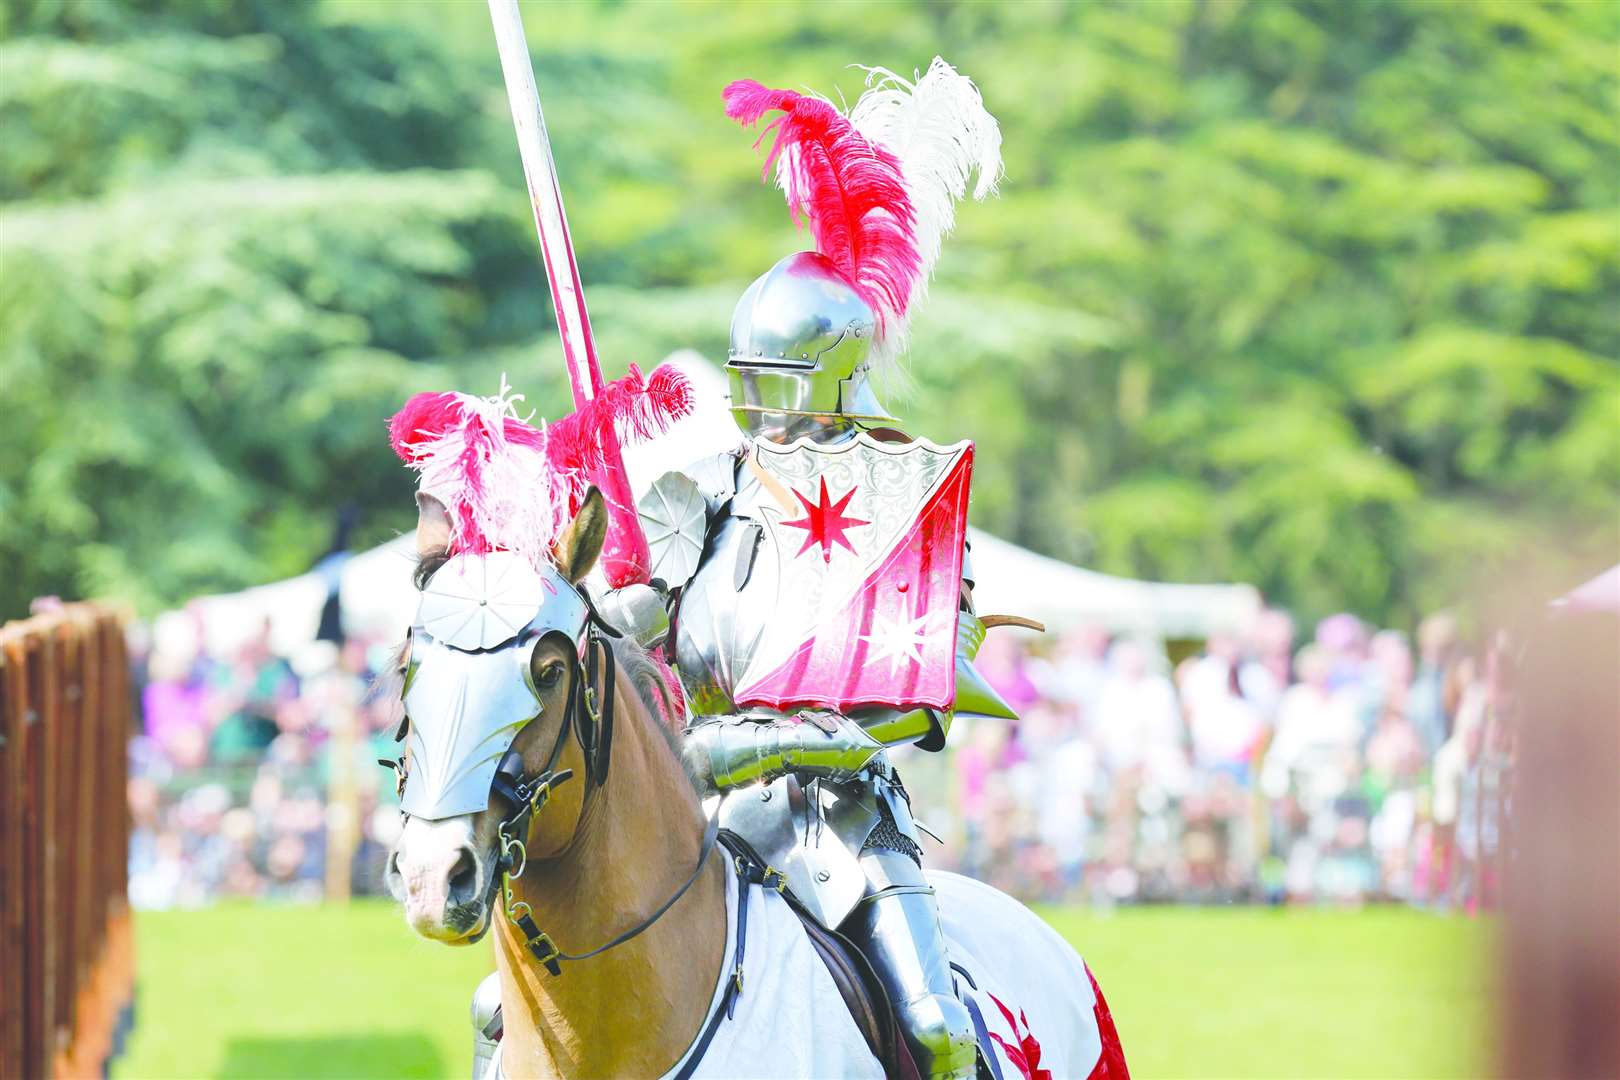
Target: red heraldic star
824, 522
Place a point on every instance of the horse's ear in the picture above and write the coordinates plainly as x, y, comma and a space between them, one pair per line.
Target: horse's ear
432, 526
580, 543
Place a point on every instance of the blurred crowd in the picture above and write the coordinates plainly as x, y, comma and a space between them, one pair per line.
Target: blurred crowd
235, 773
1360, 767
1363, 766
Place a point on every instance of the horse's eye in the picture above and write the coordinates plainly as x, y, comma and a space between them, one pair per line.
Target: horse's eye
550, 676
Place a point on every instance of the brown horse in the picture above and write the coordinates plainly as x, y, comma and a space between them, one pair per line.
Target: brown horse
627, 847
599, 859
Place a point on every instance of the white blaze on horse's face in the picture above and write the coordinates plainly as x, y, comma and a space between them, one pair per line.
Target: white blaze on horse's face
437, 873
468, 693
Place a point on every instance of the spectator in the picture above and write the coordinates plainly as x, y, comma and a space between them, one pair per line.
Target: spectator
1331, 776
1077, 671
1317, 735
1226, 726
1269, 669
1343, 638
1138, 730
1437, 639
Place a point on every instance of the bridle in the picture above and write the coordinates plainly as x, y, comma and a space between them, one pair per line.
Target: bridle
589, 717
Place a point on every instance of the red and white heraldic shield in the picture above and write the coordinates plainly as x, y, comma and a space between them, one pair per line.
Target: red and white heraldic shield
865, 540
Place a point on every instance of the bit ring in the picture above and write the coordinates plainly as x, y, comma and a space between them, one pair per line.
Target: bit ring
508, 844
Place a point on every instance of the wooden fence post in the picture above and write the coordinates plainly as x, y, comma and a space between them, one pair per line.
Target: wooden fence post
65, 719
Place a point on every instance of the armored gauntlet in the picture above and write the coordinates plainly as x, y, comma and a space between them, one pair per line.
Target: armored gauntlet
729, 753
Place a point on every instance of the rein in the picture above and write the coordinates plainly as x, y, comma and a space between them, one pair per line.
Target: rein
530, 795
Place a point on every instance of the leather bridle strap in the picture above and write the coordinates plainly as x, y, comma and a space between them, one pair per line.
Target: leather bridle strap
530, 795
600, 668
726, 1007
543, 949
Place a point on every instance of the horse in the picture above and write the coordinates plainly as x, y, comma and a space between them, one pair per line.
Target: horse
705, 972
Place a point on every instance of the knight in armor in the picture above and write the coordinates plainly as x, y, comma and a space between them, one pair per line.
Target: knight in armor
819, 582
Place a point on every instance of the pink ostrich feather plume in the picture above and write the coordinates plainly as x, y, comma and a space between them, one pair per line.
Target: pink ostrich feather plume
512, 486
851, 189
633, 409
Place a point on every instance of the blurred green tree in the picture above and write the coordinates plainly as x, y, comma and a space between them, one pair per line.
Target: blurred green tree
1313, 295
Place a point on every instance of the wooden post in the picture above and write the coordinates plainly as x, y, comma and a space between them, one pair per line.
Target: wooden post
65, 957
342, 811
13, 861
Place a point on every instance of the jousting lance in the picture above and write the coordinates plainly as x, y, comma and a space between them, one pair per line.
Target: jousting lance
625, 557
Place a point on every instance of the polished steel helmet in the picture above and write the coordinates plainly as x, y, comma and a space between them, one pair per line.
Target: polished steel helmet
800, 343
468, 687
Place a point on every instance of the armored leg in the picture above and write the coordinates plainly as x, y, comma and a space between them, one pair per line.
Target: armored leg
897, 927
486, 1004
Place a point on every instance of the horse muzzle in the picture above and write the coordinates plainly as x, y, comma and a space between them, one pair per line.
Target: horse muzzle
444, 884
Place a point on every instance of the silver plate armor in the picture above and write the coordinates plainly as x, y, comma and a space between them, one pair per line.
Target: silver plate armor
800, 337
724, 610
486, 1022
467, 682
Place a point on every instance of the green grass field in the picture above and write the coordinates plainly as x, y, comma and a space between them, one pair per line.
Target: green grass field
242, 991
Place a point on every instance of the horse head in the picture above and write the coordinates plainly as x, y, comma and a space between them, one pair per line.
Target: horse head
499, 716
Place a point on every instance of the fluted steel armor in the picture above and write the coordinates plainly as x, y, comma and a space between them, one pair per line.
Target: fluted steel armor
486, 1022
814, 794
800, 339
478, 622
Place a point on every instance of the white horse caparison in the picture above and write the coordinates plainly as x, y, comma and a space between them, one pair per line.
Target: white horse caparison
601, 859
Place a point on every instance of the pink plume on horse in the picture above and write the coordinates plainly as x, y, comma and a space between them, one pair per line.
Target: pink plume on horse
851, 189
635, 408
510, 486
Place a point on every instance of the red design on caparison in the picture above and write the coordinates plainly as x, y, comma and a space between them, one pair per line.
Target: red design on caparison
1111, 1062
1026, 1055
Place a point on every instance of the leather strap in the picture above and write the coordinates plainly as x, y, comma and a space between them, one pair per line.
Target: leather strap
545, 950
863, 993
727, 1006
982, 1033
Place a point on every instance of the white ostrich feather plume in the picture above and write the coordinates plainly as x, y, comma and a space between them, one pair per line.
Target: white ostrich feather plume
938, 127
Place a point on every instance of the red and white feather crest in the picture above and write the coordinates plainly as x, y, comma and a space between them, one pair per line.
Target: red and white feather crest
511, 486
880, 186
849, 188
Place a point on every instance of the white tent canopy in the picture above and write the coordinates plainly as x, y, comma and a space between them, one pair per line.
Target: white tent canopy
1011, 580
378, 600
